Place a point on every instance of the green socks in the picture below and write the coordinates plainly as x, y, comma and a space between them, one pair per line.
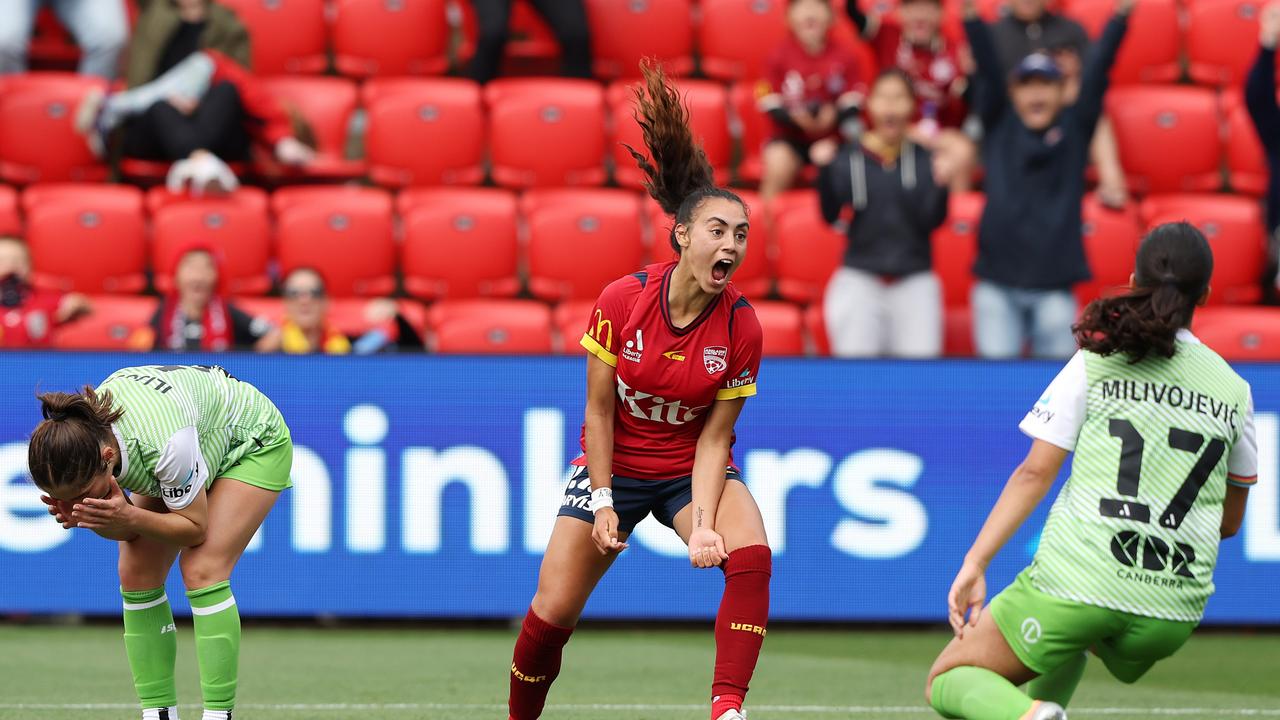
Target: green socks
1059, 684
977, 694
217, 623
151, 642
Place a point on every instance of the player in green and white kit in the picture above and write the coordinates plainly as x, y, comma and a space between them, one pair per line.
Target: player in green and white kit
1164, 455
204, 457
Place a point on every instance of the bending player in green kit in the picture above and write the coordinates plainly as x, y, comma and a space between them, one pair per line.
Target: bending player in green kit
205, 456
1162, 431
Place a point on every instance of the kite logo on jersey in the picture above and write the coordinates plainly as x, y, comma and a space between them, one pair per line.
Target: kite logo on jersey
647, 406
715, 359
1031, 631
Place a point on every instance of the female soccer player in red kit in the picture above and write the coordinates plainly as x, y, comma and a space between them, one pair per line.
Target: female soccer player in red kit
674, 352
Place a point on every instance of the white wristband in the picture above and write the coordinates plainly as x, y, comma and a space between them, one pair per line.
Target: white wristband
601, 498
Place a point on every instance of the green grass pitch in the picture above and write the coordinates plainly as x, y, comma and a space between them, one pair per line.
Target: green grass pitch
52, 673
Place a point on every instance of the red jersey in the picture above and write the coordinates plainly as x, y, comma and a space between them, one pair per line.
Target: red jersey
267, 120
937, 71
796, 80
668, 377
30, 325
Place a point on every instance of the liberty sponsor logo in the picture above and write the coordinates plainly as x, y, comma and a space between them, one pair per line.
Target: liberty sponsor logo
634, 349
674, 355
1041, 411
1031, 631
715, 359
515, 673
741, 381
748, 627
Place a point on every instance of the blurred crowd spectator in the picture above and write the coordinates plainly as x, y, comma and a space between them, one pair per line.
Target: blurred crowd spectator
813, 86
1035, 150
196, 316
567, 19
100, 28
28, 315
307, 328
885, 299
1260, 97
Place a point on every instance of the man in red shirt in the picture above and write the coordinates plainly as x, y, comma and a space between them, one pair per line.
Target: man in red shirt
913, 40
28, 315
812, 86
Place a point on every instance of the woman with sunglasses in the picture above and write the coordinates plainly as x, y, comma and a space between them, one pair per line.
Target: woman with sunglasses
307, 328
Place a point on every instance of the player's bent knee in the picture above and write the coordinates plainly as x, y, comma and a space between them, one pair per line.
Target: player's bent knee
556, 610
138, 576
1128, 674
201, 571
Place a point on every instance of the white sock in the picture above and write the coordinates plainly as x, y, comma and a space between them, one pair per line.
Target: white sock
169, 713
217, 715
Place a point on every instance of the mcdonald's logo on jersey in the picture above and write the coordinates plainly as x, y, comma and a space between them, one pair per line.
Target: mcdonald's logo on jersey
603, 330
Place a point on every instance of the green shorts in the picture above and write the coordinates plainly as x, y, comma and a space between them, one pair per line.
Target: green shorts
1046, 631
266, 467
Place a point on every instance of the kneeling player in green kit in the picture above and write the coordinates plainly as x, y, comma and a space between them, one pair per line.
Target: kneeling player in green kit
1162, 431
205, 456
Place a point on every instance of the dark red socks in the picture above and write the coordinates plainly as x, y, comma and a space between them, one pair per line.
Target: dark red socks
740, 625
535, 665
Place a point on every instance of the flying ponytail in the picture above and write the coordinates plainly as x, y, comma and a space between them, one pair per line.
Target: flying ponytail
1171, 275
66, 447
678, 177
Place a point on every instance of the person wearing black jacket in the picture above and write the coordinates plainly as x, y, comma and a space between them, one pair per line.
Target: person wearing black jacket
1035, 150
1260, 98
885, 299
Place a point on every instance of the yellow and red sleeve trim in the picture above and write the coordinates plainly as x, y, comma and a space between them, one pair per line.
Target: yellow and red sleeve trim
745, 391
595, 348
1244, 482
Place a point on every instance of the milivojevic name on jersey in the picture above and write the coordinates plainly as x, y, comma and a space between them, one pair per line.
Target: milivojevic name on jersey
1173, 396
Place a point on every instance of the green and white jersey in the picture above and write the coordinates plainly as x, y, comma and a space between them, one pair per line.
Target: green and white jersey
1136, 528
184, 425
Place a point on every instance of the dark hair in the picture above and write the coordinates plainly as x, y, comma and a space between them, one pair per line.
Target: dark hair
1171, 275
894, 73
679, 176
324, 284
66, 447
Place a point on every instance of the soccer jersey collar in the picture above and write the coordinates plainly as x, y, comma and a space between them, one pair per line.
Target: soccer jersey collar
124, 451
664, 306
1186, 336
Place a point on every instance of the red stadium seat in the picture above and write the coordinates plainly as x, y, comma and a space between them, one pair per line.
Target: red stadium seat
1150, 51
783, 326
754, 277
378, 37
624, 31
424, 132
348, 316
459, 243
117, 323
1235, 231
1222, 40
708, 117
546, 132
1245, 334
237, 232
10, 220
491, 326
344, 233
955, 247
735, 37
570, 320
289, 36
815, 322
1151, 120
38, 139
579, 242
327, 104
1110, 244
752, 128
252, 198
808, 249
1246, 160
88, 238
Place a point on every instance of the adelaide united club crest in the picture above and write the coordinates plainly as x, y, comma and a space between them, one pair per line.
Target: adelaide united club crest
715, 359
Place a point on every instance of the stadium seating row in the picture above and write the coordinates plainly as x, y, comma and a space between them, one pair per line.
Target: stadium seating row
367, 38
566, 244
543, 132
512, 326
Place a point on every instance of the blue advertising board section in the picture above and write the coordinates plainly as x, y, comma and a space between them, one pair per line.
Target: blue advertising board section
427, 487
